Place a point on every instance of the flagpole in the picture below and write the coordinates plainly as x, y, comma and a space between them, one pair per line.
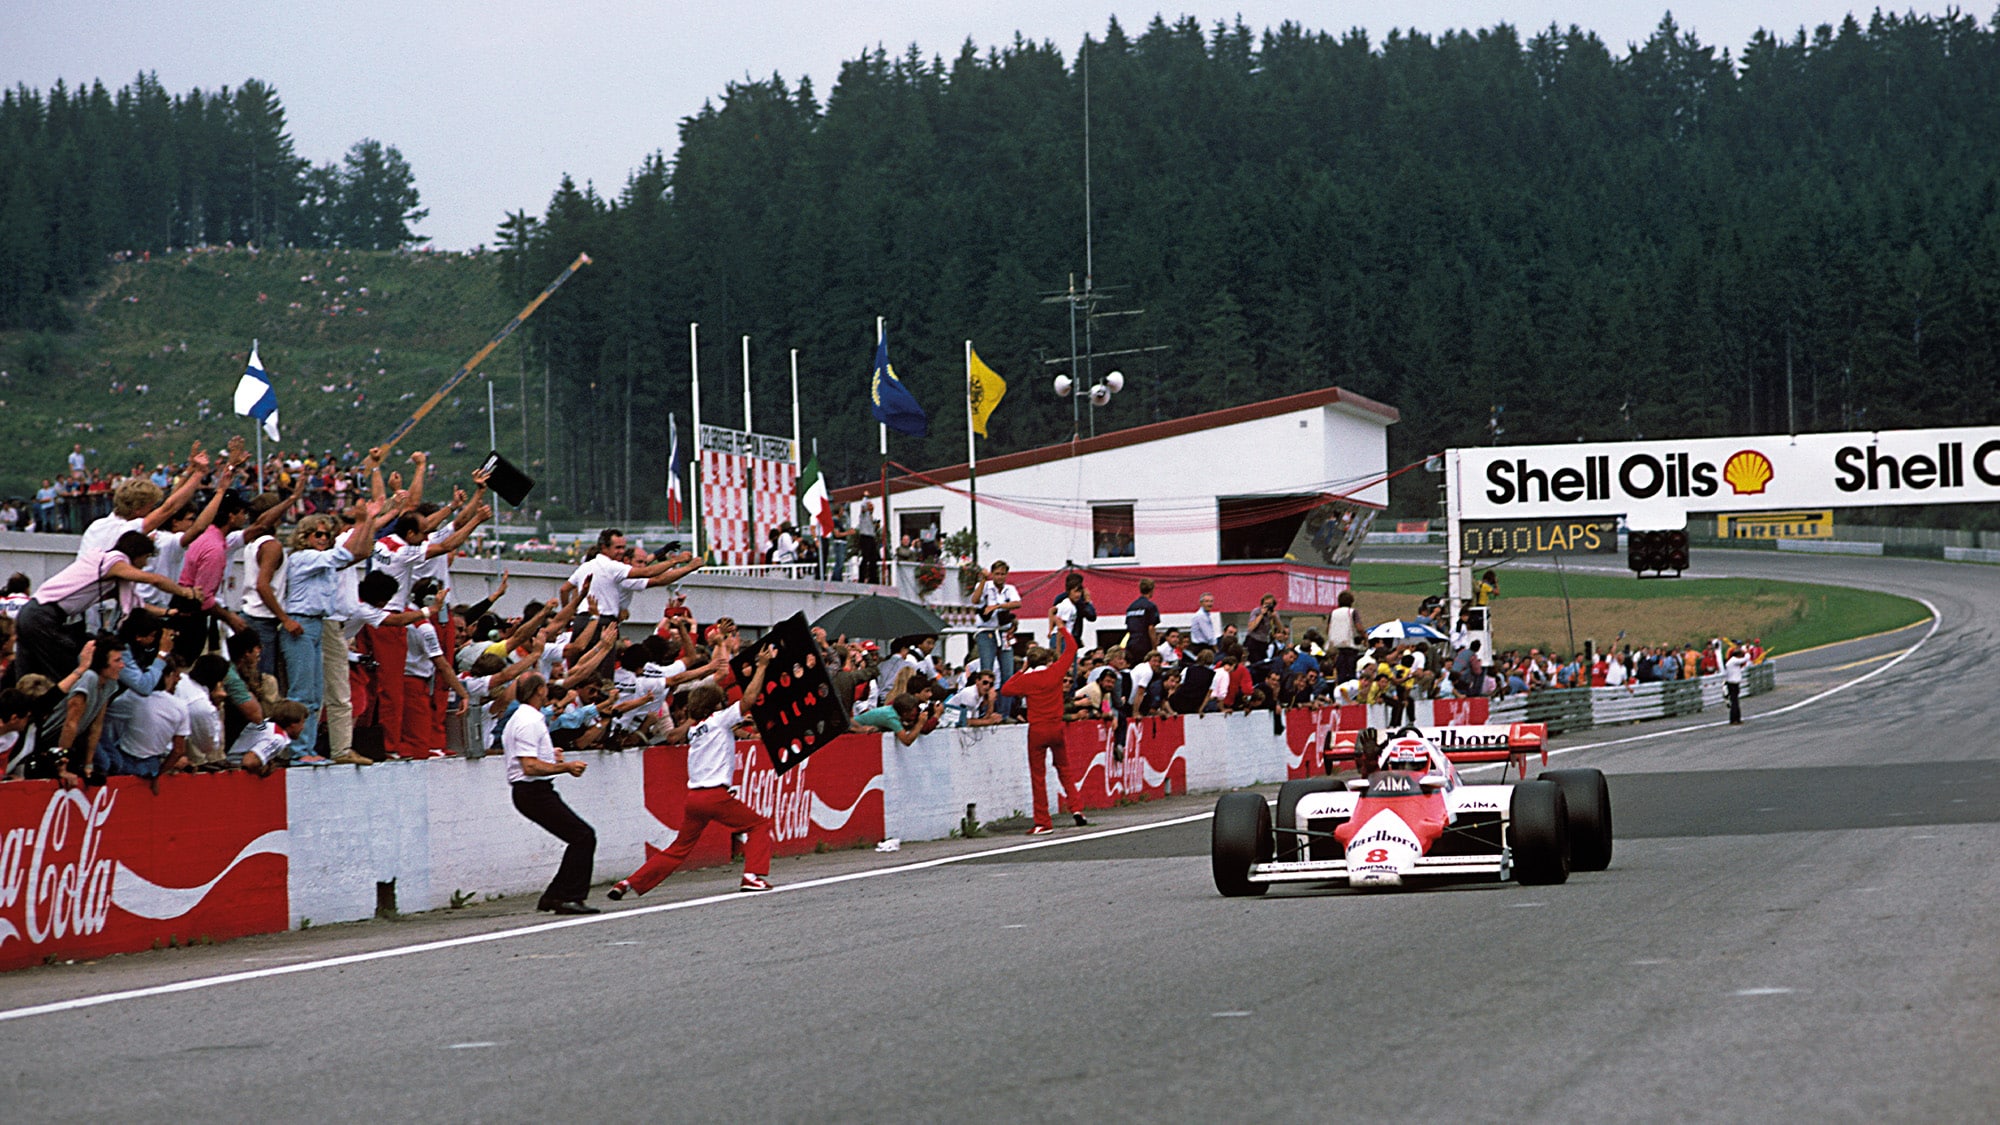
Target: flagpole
258, 423
971, 455
883, 542
694, 462
819, 529
747, 427
796, 462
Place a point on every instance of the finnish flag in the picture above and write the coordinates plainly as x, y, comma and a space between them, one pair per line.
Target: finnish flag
254, 396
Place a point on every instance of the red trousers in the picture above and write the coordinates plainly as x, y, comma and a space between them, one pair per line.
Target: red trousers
705, 805
389, 645
422, 731
1049, 738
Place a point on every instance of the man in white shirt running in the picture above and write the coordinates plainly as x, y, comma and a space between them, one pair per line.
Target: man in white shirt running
711, 769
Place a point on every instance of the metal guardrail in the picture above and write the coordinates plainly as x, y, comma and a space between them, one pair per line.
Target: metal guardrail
1575, 709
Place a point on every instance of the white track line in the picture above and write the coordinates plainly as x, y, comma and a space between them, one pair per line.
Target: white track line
712, 900
565, 923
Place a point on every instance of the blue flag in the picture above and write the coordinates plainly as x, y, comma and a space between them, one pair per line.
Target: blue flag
254, 396
894, 406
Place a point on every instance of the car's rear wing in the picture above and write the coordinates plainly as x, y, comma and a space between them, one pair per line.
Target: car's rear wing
1498, 742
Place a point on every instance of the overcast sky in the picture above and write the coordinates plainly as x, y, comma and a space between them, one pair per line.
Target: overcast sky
491, 102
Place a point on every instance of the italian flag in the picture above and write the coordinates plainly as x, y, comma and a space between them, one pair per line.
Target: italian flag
815, 506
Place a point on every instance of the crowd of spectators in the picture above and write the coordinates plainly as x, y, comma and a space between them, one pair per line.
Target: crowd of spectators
80, 494
210, 624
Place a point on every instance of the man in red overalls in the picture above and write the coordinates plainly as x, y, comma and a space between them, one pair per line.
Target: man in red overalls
1043, 686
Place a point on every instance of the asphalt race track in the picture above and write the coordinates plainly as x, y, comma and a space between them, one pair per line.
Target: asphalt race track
1798, 924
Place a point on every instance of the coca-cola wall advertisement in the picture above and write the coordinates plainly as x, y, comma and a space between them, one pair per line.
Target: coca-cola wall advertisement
117, 868
1306, 729
833, 797
1153, 762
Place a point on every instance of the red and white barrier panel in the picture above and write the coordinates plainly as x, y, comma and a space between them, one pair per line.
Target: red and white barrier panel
833, 799
114, 869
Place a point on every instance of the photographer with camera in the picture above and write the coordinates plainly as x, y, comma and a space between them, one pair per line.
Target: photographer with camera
998, 601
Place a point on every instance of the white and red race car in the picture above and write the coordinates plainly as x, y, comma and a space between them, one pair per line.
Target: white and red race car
1409, 817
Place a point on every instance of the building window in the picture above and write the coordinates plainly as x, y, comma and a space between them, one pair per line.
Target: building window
1111, 531
1259, 528
919, 533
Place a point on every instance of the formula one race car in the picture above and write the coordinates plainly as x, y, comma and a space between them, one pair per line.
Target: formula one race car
1405, 816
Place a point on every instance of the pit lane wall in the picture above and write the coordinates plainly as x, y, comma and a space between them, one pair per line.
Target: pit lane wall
118, 868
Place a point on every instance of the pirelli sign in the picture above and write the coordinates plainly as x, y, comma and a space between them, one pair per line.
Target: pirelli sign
1776, 525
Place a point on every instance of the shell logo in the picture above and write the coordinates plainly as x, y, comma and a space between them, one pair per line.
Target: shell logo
1747, 472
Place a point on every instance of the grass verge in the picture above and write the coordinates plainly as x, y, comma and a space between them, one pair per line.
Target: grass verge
1787, 616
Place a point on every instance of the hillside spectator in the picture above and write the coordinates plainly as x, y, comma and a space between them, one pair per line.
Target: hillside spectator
1172, 651
46, 499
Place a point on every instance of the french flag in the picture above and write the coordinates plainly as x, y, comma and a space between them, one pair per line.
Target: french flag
675, 500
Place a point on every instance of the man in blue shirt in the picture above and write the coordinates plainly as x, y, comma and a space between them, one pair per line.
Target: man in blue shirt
1142, 624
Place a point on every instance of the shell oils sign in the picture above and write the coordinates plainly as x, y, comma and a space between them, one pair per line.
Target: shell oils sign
1655, 483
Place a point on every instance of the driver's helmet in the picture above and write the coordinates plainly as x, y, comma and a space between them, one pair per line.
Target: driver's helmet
1407, 753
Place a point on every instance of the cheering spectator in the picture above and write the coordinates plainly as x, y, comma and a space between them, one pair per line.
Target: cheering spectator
50, 626
1041, 685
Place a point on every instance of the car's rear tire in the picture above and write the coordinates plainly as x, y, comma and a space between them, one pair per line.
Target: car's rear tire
1289, 795
1588, 796
1538, 832
1240, 836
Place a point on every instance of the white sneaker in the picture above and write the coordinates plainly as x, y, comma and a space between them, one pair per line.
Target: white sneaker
756, 883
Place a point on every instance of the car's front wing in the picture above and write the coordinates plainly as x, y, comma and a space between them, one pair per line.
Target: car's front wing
1328, 870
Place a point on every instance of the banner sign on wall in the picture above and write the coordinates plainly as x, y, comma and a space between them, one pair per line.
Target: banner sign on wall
116, 867
1776, 525
748, 487
1656, 483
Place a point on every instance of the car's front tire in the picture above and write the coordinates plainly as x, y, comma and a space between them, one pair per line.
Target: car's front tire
1240, 836
1538, 833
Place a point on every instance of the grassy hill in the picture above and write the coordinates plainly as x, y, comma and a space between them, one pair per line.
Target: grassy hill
352, 340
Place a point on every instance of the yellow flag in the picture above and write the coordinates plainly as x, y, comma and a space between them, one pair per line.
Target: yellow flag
984, 388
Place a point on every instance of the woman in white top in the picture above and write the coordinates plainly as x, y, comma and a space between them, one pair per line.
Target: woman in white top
711, 767
533, 762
